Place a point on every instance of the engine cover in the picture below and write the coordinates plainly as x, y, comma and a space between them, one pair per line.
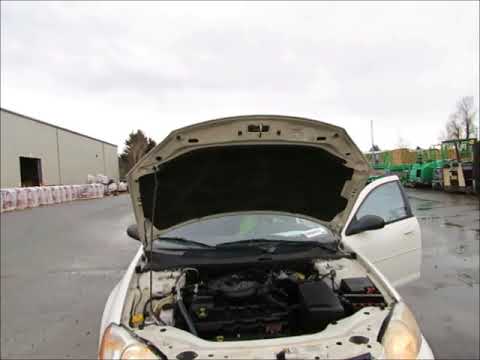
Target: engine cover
215, 319
259, 305
239, 306
235, 286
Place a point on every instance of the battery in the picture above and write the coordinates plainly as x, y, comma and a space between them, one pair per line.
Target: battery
358, 285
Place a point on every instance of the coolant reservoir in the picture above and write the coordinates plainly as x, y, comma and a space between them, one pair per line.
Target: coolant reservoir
162, 281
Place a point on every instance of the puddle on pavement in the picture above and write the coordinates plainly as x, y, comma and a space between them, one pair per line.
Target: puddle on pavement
425, 205
448, 223
427, 218
424, 208
467, 279
460, 249
421, 204
450, 252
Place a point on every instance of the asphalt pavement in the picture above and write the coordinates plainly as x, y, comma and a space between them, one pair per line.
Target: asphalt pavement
59, 263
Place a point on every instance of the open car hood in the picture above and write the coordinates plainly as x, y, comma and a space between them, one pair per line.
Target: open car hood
258, 163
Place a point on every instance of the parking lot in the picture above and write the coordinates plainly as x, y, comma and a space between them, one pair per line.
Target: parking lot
59, 264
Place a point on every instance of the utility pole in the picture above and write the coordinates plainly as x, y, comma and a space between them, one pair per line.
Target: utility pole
371, 132
373, 149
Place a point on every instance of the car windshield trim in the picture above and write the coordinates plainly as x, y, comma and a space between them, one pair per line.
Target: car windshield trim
244, 243
183, 241
258, 242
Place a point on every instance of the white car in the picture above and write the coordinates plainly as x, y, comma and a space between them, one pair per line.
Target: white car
261, 240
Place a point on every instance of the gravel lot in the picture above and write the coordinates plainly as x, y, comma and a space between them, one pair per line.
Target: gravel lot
59, 263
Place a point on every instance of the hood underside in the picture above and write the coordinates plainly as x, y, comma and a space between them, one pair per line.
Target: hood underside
248, 164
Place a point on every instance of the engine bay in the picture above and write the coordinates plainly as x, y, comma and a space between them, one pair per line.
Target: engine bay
249, 302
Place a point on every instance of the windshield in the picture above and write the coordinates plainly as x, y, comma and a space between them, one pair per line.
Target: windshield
231, 229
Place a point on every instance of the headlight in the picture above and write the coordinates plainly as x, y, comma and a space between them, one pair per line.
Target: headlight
402, 339
117, 343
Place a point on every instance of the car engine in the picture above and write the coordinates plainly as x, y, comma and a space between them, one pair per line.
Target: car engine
257, 303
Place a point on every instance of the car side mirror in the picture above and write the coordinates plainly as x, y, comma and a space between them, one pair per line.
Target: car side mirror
365, 223
132, 231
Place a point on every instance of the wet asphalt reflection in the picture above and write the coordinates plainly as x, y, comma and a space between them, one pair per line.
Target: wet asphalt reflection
446, 298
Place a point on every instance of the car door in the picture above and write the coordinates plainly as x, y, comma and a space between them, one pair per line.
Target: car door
396, 248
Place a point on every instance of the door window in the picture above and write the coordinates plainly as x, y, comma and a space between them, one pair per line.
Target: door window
386, 201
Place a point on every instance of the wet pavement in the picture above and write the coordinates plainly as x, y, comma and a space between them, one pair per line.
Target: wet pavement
446, 298
59, 263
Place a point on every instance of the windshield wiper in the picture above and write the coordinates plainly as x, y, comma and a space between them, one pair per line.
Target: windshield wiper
183, 241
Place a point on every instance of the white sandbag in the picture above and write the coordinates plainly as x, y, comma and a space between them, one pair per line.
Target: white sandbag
56, 194
49, 195
88, 191
112, 187
46, 196
3, 197
9, 199
22, 200
90, 179
102, 179
122, 186
100, 190
79, 189
2, 201
92, 191
33, 197
28, 192
43, 195
74, 189
63, 193
36, 196
68, 192
83, 191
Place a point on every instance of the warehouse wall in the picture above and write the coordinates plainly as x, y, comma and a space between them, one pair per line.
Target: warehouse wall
111, 161
23, 137
79, 156
66, 157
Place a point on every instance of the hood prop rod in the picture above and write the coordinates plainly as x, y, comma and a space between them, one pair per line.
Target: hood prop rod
150, 257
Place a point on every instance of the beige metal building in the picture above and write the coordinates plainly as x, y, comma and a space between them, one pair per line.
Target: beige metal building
34, 153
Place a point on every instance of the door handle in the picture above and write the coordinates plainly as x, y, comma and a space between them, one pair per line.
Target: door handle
408, 232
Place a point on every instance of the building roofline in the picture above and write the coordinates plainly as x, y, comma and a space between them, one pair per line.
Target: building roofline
56, 126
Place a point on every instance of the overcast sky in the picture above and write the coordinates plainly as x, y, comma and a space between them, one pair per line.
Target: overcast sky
107, 69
